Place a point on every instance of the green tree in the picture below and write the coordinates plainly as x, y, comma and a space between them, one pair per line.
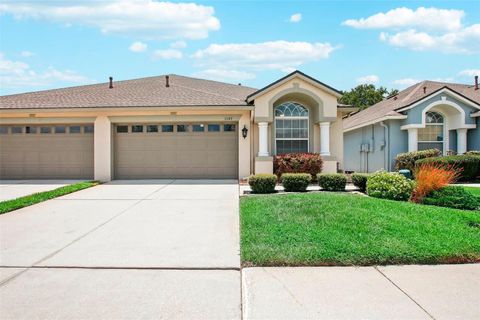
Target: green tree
366, 95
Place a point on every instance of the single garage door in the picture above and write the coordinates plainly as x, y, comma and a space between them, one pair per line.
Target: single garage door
176, 151
46, 151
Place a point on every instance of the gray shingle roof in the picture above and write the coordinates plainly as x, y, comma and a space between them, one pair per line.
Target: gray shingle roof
144, 92
405, 98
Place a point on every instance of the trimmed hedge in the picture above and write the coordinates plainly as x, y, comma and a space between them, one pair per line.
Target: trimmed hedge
359, 180
407, 160
469, 166
332, 181
311, 163
389, 185
263, 183
472, 153
453, 197
296, 182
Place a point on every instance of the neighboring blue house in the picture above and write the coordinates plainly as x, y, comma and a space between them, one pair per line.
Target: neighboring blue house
424, 116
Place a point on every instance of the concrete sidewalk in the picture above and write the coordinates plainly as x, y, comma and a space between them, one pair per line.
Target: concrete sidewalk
391, 292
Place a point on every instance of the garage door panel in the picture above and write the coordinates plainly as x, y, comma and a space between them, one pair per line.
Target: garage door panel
176, 155
46, 156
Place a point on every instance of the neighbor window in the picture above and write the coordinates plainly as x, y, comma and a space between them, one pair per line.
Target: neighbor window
228, 127
17, 130
152, 128
291, 128
3, 130
431, 137
213, 128
74, 129
198, 128
30, 130
167, 128
122, 129
60, 129
137, 128
45, 129
182, 128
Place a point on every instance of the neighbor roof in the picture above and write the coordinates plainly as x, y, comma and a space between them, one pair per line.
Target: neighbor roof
144, 92
405, 98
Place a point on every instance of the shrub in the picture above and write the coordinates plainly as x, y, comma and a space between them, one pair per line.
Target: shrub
469, 166
311, 163
359, 180
297, 182
262, 183
453, 197
332, 181
407, 160
430, 177
389, 185
473, 153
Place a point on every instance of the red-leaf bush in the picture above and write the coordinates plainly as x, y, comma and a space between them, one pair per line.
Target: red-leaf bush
311, 163
432, 177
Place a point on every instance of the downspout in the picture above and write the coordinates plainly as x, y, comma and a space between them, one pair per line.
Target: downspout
386, 148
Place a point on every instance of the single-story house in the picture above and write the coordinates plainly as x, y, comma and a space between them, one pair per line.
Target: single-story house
168, 127
426, 115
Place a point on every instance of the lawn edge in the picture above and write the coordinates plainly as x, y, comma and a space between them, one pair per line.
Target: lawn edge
38, 197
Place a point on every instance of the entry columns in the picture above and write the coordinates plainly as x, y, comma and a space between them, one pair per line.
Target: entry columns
461, 141
412, 139
263, 139
325, 138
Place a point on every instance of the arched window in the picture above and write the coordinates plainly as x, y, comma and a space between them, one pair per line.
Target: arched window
431, 137
291, 128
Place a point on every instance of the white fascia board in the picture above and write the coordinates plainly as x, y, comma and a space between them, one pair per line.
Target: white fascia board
444, 90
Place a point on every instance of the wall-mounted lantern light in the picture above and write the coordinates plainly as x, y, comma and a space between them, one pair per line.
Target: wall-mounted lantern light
244, 131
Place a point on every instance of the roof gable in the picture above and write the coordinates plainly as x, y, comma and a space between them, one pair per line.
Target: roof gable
293, 75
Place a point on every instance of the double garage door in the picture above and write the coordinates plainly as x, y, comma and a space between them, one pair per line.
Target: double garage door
46, 151
181, 150
141, 151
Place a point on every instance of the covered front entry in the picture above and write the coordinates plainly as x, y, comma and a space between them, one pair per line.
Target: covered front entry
46, 151
176, 151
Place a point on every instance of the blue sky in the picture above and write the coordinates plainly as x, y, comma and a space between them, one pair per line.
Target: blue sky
50, 44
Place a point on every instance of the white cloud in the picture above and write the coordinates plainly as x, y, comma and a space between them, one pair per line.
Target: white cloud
17, 74
466, 40
297, 17
168, 54
469, 73
273, 55
406, 82
424, 29
180, 44
370, 79
425, 18
224, 75
147, 19
138, 46
27, 54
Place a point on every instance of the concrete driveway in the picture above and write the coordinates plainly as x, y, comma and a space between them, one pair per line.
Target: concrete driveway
12, 189
126, 249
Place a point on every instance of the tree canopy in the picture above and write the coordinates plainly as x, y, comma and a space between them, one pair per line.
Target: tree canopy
366, 95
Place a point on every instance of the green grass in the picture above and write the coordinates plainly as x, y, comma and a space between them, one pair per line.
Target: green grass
473, 190
345, 229
10, 205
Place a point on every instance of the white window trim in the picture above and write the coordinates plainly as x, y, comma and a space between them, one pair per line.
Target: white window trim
445, 142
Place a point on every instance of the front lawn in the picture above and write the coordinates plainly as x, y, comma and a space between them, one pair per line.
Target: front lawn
14, 204
345, 229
